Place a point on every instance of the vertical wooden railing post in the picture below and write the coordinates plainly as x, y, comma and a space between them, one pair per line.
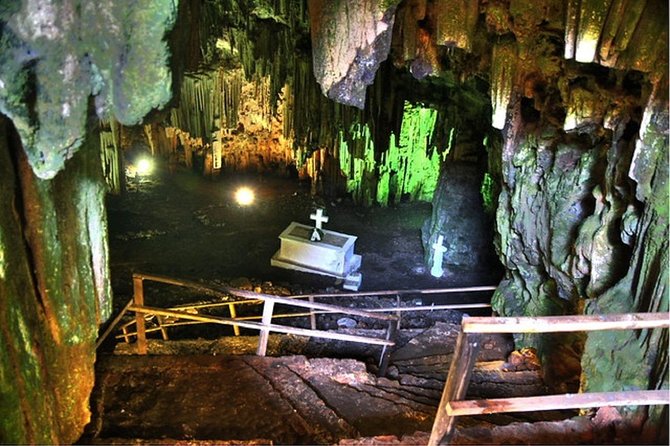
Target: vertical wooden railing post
268, 307
386, 350
462, 363
164, 333
138, 301
233, 315
312, 316
398, 313
125, 335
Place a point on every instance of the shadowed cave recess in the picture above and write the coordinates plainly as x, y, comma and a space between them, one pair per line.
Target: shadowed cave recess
529, 137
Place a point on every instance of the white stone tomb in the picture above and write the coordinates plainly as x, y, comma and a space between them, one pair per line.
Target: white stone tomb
333, 255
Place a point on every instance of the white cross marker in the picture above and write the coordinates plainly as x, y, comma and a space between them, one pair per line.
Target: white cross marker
319, 219
437, 270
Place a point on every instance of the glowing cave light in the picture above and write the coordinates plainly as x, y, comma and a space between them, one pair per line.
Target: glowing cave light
244, 196
144, 167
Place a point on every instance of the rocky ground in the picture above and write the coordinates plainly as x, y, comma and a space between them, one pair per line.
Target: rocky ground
221, 393
187, 226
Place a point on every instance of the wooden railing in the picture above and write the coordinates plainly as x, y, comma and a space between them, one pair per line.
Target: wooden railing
312, 313
265, 327
467, 345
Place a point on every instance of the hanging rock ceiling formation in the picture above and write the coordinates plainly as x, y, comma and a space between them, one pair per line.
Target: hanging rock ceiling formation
55, 56
345, 62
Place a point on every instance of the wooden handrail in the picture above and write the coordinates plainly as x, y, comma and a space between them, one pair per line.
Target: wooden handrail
265, 327
250, 295
304, 314
554, 402
313, 305
455, 388
557, 324
472, 289
260, 326
113, 324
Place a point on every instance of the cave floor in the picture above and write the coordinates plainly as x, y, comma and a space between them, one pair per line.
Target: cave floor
187, 226
211, 395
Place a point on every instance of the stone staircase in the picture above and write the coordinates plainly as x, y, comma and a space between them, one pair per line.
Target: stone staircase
295, 399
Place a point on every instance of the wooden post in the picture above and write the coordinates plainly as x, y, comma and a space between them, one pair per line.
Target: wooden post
233, 315
265, 332
125, 335
163, 330
462, 362
138, 301
398, 313
386, 350
312, 316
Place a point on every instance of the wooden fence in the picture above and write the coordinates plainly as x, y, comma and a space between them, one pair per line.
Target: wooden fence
467, 344
265, 327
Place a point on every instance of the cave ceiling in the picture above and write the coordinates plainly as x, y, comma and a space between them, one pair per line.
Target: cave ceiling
123, 64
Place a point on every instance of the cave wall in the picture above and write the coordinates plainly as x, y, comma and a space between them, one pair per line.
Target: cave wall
54, 291
578, 90
54, 57
381, 146
63, 65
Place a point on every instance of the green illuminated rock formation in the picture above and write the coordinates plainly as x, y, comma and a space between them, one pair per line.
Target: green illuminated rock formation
409, 168
553, 112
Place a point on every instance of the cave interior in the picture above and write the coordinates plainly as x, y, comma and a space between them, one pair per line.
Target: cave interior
512, 145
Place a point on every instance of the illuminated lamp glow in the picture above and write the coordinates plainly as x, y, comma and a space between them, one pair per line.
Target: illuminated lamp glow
144, 167
244, 196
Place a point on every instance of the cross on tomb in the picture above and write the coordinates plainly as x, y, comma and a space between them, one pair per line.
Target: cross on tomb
438, 253
319, 220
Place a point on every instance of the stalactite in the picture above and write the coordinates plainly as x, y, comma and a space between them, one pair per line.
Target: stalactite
110, 154
455, 22
408, 169
208, 101
349, 41
502, 80
616, 33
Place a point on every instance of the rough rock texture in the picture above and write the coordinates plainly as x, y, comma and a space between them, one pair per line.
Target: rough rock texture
349, 41
582, 226
458, 215
59, 61
293, 399
55, 55
54, 290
